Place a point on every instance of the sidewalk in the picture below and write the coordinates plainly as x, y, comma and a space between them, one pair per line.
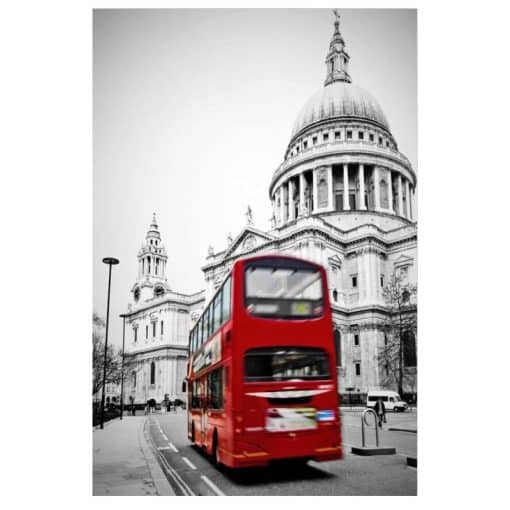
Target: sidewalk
124, 463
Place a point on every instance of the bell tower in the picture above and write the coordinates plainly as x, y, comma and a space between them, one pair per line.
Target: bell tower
152, 260
337, 59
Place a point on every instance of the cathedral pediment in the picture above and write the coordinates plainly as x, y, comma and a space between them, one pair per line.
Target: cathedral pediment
403, 261
248, 239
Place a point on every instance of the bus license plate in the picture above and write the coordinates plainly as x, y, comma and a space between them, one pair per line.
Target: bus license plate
285, 419
301, 308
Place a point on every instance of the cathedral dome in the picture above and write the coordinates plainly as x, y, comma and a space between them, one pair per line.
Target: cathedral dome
336, 100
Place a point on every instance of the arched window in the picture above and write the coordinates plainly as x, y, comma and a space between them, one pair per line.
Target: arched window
335, 295
153, 373
134, 379
409, 349
338, 347
161, 327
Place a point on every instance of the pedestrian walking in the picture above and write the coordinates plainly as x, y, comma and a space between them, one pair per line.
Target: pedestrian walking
380, 411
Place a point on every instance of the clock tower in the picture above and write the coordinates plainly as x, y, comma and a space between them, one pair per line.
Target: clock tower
152, 260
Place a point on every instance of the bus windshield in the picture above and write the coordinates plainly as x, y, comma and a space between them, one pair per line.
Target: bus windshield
285, 363
283, 292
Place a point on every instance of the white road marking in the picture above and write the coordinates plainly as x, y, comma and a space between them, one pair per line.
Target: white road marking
164, 437
163, 447
173, 447
212, 486
189, 463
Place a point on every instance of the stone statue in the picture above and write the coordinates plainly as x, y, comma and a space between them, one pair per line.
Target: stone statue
210, 251
337, 14
273, 221
249, 216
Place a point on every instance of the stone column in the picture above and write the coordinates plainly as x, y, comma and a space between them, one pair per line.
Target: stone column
408, 200
377, 200
400, 197
361, 174
390, 193
314, 189
301, 193
411, 206
291, 199
331, 197
346, 187
282, 204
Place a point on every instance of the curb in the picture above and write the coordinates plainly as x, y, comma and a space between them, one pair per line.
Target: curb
163, 488
398, 429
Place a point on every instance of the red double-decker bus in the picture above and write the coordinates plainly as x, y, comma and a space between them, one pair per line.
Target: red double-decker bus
262, 382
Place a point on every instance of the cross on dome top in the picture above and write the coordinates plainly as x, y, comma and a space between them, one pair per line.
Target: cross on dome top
337, 59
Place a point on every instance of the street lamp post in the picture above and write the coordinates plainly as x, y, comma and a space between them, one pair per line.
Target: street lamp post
122, 368
111, 262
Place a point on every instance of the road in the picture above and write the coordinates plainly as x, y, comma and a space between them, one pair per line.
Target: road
190, 472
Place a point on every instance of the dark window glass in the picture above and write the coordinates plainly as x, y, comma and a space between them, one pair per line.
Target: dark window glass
153, 373
305, 144
200, 331
154, 329
349, 135
215, 389
135, 330
283, 292
134, 379
356, 339
409, 349
361, 135
338, 347
161, 327
195, 395
217, 311
325, 137
146, 331
335, 295
358, 368
380, 141
354, 281
314, 140
337, 135
285, 363
382, 281
371, 137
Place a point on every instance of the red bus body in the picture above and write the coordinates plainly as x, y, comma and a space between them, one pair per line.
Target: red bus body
236, 433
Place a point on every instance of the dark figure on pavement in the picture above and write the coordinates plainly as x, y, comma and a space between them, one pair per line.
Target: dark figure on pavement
380, 410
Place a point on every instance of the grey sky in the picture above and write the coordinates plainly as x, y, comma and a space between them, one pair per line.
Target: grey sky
193, 110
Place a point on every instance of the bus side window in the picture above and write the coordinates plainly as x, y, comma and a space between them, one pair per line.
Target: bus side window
227, 287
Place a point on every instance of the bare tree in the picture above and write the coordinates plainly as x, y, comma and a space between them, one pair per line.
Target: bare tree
113, 357
397, 357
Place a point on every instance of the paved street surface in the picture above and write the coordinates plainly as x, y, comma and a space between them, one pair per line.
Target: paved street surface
124, 464
191, 472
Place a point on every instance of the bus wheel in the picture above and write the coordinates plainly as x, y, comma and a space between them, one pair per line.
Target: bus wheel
214, 452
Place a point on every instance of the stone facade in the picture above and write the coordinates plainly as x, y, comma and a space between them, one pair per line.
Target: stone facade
342, 197
157, 324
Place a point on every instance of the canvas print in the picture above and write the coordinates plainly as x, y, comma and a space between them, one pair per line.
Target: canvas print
254, 320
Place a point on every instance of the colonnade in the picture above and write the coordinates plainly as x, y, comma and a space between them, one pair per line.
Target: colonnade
343, 187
